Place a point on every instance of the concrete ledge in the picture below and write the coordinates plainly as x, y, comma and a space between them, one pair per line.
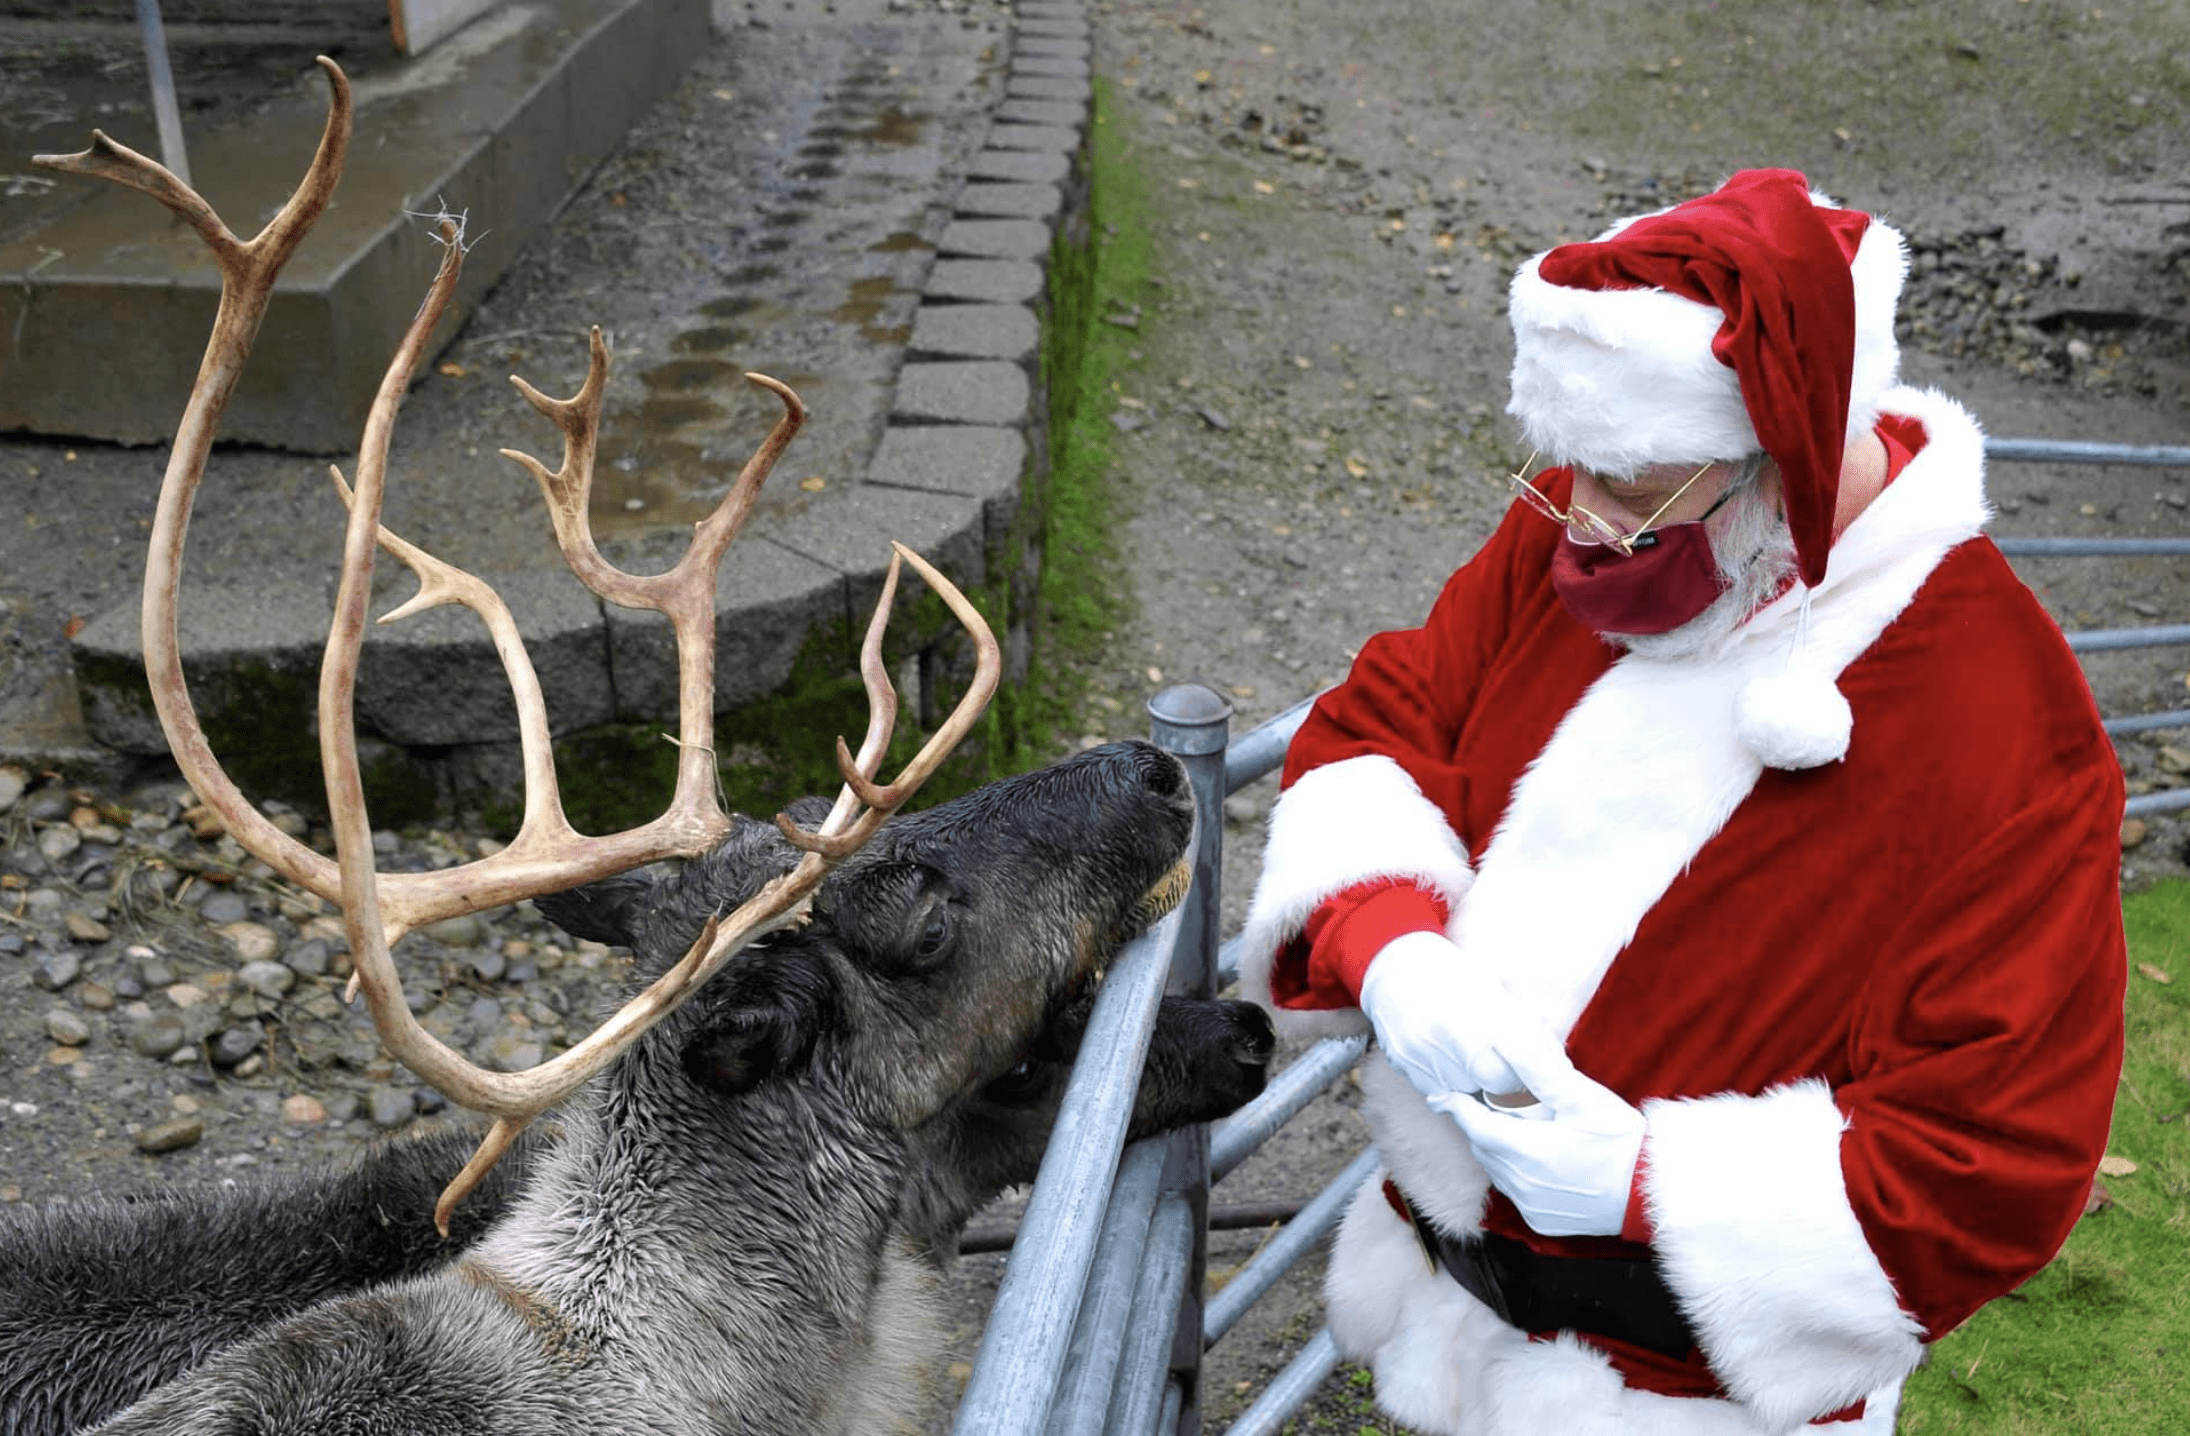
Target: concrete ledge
104, 340
977, 331
1015, 201
995, 238
1056, 139
987, 281
974, 392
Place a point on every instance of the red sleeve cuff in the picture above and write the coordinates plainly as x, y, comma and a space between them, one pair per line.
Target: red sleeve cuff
1323, 967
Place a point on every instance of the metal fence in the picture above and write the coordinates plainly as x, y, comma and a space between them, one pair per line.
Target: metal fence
1099, 1325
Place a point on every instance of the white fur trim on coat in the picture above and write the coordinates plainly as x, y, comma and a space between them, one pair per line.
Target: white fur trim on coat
1756, 1237
1337, 826
1617, 379
1445, 1365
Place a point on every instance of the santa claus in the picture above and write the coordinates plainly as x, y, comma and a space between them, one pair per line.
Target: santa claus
1727, 869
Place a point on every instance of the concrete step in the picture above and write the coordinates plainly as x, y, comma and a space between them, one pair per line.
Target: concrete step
107, 307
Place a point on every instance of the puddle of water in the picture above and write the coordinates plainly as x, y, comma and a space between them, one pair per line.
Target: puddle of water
894, 128
870, 297
708, 339
902, 242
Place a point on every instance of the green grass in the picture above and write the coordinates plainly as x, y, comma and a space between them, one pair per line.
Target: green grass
1083, 597
2099, 1342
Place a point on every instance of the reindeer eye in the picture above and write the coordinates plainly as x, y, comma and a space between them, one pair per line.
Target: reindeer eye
935, 938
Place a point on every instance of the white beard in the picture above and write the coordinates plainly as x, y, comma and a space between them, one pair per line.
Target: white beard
1755, 551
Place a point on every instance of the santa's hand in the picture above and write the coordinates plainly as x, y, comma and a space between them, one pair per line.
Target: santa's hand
1571, 1171
1445, 1022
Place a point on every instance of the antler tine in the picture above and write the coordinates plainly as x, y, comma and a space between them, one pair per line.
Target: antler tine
858, 775
248, 270
685, 594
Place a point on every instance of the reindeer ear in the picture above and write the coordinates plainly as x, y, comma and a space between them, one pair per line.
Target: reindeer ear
764, 1024
602, 911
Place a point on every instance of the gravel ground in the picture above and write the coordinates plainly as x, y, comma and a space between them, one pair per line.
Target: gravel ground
1308, 443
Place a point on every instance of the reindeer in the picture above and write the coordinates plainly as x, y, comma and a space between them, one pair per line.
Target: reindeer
824, 1065
102, 1301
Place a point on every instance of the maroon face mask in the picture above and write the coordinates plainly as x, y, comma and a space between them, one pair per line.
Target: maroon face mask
1670, 578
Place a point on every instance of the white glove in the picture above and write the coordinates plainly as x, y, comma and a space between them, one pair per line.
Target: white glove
1445, 1022
1571, 1170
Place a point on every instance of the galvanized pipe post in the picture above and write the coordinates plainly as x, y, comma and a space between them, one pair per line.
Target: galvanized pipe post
1194, 725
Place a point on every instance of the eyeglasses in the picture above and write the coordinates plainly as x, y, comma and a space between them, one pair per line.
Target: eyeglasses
1597, 529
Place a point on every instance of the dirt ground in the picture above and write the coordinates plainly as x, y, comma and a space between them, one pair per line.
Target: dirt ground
1313, 434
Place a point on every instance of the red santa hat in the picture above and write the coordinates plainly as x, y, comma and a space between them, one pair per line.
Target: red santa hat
1757, 316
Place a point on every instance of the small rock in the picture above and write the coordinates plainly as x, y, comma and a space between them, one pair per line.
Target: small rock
223, 906
67, 1028
251, 1066
510, 1052
205, 825
12, 782
171, 1135
2134, 832
2173, 759
184, 994
490, 964
463, 930
58, 969
85, 928
95, 995
157, 1034
59, 843
342, 1107
236, 1044
254, 942
301, 1109
307, 958
386, 842
389, 1106
267, 979
153, 970
1215, 419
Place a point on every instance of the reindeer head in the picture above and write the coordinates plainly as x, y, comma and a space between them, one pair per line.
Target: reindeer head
934, 955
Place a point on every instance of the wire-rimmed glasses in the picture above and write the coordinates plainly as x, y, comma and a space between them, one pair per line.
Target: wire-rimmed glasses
1593, 527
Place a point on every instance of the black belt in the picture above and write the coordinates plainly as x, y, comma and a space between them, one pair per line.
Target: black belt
1623, 1298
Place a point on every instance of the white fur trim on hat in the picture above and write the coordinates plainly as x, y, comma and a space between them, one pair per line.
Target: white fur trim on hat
1618, 379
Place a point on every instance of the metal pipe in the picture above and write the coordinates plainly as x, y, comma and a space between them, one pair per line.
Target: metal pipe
1262, 748
1271, 1263
2100, 640
1290, 1389
1023, 1347
2090, 547
2078, 451
1098, 1337
1146, 1360
165, 112
2145, 722
1234, 1139
2167, 802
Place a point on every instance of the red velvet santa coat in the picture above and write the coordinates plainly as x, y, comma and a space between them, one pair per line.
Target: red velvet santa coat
1872, 1010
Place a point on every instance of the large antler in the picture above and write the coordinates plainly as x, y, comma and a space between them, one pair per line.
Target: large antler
547, 854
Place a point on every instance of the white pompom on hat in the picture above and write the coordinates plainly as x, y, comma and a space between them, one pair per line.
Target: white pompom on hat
1759, 316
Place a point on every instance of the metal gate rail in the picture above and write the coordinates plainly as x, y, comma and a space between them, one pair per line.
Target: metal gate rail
1099, 1324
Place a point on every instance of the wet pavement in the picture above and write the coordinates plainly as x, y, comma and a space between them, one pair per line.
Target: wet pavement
871, 234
